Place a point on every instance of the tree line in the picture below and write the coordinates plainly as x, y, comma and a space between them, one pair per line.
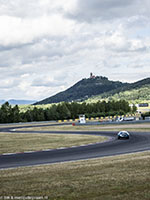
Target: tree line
144, 115
64, 110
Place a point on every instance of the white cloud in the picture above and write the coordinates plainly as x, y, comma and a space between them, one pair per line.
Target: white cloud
33, 8
16, 31
87, 10
47, 46
46, 81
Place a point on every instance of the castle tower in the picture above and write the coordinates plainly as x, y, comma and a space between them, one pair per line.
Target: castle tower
91, 75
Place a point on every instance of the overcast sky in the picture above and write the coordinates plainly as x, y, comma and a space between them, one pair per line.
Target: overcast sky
48, 45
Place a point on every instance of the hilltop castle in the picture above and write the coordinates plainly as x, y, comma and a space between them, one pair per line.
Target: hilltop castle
92, 76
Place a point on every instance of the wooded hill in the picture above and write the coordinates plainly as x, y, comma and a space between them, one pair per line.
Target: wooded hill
134, 96
98, 88
133, 93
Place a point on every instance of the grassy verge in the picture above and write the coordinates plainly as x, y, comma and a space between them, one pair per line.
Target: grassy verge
119, 177
15, 142
109, 127
25, 124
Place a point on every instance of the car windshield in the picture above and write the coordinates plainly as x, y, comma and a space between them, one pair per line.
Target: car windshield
124, 133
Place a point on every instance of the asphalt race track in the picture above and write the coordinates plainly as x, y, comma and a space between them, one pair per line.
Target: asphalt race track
138, 142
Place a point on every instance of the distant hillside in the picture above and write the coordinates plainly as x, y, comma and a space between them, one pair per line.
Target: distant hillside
84, 89
18, 102
99, 88
2, 101
134, 93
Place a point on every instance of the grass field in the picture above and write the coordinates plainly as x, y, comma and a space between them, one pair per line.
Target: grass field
24, 108
125, 177
15, 142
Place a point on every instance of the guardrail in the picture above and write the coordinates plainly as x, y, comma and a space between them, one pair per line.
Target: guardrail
102, 119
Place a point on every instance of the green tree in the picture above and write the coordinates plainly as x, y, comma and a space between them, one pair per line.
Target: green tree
51, 113
37, 114
63, 111
134, 108
15, 114
5, 113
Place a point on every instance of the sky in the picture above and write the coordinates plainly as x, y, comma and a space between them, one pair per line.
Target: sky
46, 46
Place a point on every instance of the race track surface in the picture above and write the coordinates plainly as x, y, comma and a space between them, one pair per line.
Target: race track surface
138, 142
